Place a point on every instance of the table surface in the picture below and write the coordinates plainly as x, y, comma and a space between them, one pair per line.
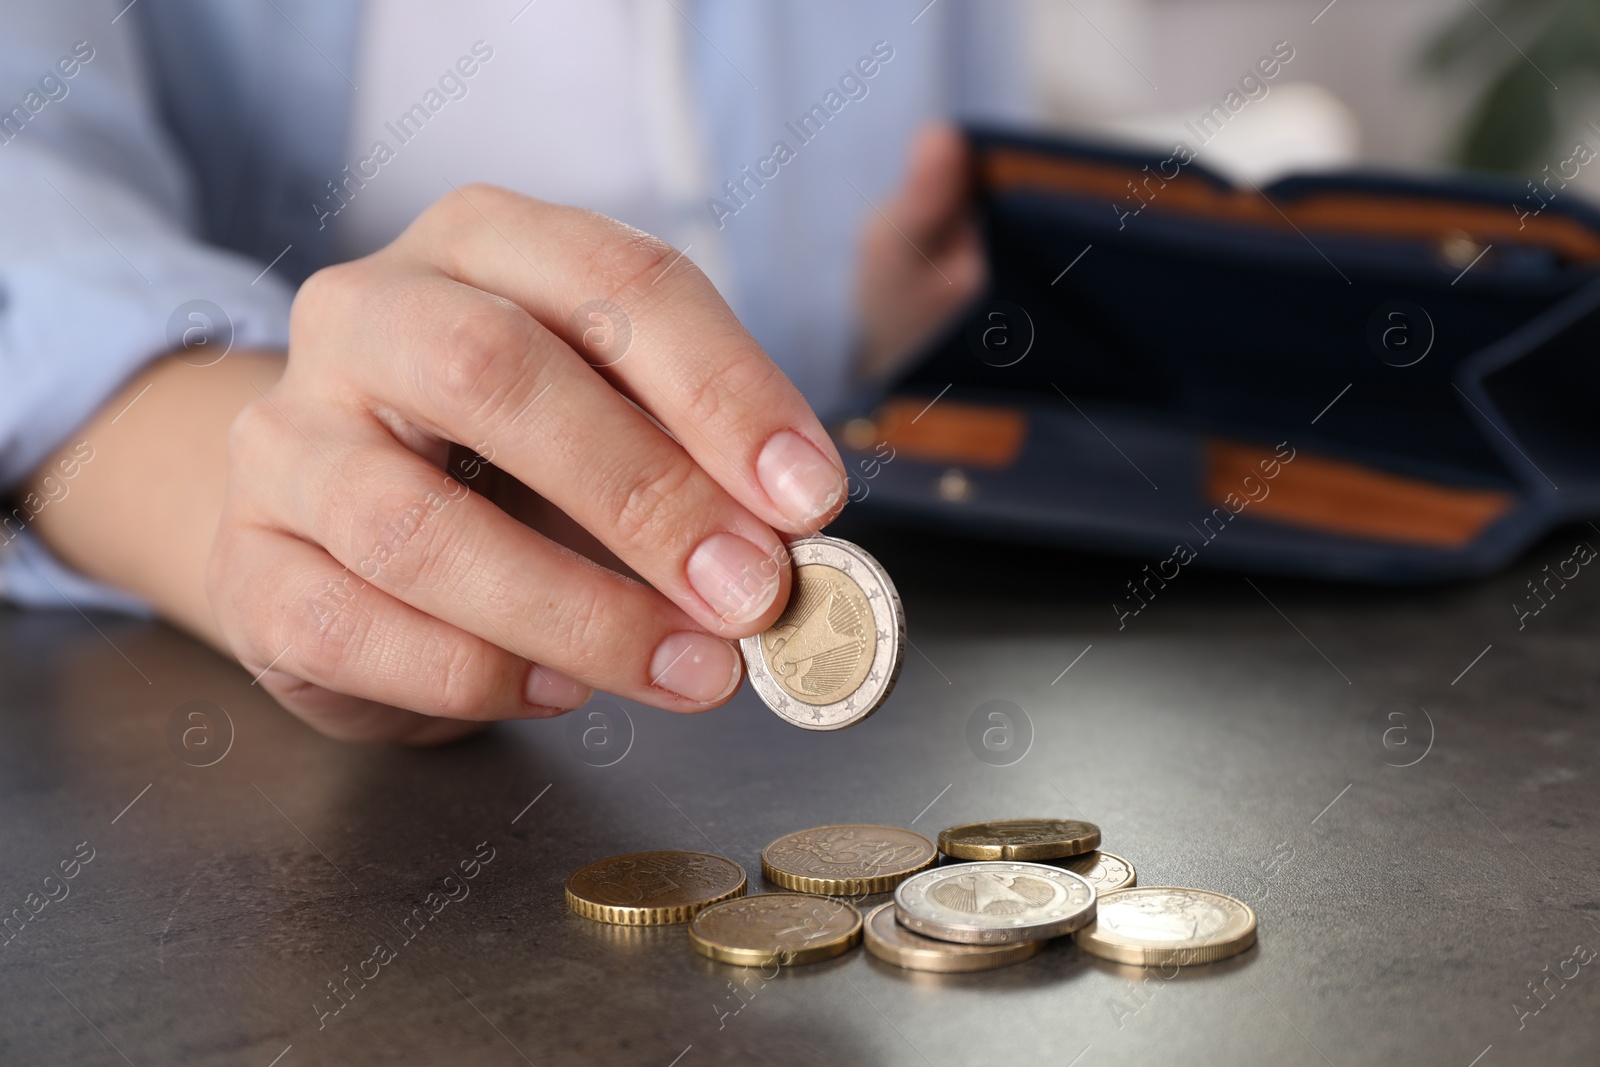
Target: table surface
1400, 781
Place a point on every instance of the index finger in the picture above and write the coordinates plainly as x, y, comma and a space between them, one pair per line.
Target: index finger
656, 328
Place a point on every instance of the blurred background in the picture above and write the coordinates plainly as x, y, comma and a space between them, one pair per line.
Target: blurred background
1499, 85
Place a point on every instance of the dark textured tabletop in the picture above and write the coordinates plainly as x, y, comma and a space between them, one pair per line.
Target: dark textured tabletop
1400, 781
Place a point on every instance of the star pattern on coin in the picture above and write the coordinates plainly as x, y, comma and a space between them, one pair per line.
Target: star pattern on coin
874, 614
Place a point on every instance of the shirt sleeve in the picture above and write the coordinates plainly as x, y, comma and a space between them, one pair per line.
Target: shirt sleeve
989, 76
102, 265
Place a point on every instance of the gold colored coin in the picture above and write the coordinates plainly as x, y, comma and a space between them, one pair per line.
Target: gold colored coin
846, 860
775, 928
1020, 839
1160, 926
893, 943
652, 888
822, 646
1104, 870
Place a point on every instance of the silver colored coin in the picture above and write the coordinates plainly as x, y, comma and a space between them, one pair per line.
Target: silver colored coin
994, 902
834, 654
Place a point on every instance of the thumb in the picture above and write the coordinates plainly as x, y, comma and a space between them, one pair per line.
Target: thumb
933, 196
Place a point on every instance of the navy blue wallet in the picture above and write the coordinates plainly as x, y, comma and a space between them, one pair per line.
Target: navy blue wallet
1370, 376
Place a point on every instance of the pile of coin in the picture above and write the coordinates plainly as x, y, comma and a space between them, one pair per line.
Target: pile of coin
987, 895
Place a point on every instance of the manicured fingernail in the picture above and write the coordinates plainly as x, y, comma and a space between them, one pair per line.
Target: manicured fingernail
546, 688
799, 479
695, 666
736, 578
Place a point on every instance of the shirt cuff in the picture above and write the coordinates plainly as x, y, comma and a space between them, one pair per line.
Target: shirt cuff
84, 307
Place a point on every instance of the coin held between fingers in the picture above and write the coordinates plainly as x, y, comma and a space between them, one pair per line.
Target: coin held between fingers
695, 666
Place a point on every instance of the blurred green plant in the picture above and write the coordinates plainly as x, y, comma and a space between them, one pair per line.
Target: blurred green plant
1514, 123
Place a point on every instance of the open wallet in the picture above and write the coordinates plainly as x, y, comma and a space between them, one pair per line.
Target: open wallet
1371, 376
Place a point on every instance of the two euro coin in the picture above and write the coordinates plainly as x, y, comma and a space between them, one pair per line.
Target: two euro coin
994, 902
833, 656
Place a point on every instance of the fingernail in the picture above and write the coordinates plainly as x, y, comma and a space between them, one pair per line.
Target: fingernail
695, 666
546, 688
736, 578
799, 479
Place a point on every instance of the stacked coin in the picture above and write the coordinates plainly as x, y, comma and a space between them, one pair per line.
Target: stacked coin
998, 908
822, 864
1017, 884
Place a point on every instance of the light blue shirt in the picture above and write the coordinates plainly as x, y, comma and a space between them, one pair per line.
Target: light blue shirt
168, 151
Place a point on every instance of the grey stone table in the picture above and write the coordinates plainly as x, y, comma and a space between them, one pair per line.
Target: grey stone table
1401, 782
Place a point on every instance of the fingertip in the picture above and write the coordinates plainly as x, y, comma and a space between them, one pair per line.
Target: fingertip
547, 692
805, 482
697, 667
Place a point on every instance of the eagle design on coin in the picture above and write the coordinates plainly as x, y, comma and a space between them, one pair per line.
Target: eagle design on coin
989, 893
823, 640
833, 655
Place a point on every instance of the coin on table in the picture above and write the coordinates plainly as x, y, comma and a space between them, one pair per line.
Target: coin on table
1020, 839
994, 902
652, 888
846, 860
893, 943
775, 928
1104, 870
834, 654
1158, 926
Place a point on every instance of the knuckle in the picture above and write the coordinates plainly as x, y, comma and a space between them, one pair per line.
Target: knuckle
333, 630
463, 204
466, 209
576, 633
725, 395
465, 685
331, 291
480, 363
252, 431
623, 258
644, 501
404, 540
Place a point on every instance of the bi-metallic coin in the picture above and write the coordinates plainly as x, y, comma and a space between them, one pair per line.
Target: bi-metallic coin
834, 654
994, 902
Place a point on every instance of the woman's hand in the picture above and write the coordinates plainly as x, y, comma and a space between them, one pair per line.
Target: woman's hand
362, 569
921, 260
